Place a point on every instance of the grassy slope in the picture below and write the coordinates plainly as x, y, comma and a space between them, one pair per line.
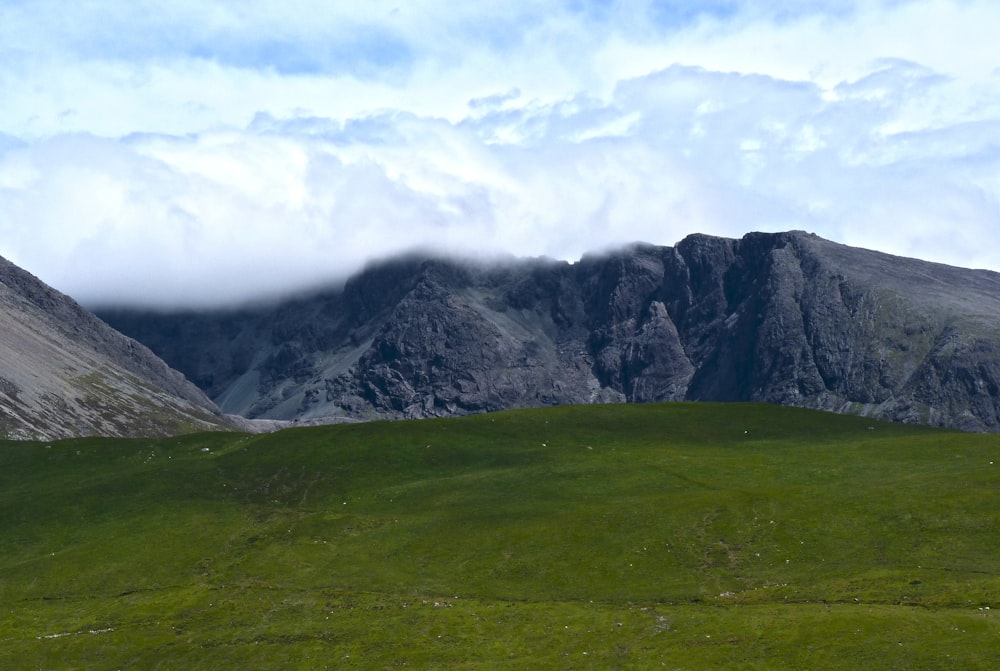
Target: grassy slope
680, 536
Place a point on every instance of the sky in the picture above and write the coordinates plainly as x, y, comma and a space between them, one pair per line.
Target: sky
196, 153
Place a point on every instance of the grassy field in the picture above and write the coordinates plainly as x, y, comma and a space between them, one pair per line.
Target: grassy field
676, 536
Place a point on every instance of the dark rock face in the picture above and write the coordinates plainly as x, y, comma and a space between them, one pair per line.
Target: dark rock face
784, 318
64, 373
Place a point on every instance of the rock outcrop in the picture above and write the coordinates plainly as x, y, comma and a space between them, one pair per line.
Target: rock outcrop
65, 373
784, 318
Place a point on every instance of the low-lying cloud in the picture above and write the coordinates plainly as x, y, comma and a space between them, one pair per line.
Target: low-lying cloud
651, 130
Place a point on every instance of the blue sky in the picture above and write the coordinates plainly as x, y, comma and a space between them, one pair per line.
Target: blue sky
195, 153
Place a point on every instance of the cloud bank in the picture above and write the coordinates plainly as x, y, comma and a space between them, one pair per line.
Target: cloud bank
210, 153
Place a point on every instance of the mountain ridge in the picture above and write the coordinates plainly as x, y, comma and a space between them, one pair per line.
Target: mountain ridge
786, 318
65, 373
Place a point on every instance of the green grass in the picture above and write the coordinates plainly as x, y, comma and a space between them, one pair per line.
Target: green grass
678, 536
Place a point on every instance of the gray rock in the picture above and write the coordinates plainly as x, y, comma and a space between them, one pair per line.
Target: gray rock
64, 373
784, 318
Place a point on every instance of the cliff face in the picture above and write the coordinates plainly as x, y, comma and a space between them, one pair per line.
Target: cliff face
64, 372
784, 318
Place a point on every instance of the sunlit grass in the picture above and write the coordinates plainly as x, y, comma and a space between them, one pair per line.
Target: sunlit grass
623, 536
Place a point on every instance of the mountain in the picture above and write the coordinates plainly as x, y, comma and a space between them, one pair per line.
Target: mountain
785, 318
64, 373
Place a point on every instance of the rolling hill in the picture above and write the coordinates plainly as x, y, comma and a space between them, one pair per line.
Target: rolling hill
628, 536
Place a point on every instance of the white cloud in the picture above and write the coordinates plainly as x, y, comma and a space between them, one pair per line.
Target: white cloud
219, 151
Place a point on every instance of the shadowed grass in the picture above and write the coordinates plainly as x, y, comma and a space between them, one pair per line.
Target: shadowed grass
620, 536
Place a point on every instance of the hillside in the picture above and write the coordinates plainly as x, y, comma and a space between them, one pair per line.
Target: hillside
63, 372
680, 536
784, 318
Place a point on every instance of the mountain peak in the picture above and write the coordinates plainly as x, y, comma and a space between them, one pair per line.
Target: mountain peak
786, 318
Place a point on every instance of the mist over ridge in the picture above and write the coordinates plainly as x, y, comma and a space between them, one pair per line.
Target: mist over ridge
788, 318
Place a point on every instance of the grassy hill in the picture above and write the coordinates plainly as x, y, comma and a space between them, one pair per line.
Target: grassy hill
677, 536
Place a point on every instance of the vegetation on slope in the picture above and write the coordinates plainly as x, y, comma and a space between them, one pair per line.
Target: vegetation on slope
680, 536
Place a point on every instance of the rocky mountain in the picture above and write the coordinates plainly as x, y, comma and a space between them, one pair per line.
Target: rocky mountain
64, 372
784, 318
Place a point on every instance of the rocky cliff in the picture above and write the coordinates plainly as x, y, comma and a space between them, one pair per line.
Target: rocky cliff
785, 318
64, 372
